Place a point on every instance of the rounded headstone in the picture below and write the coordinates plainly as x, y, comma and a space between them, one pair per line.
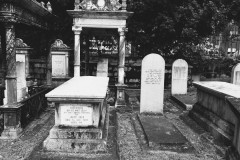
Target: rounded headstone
152, 84
179, 77
235, 77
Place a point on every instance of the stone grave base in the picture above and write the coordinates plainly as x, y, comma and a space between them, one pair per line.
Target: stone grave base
158, 130
78, 140
12, 133
222, 130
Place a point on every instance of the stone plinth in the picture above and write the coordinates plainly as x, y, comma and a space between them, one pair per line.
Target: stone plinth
12, 120
81, 116
213, 112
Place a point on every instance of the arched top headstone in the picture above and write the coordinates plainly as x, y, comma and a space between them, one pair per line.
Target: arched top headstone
180, 62
235, 77
152, 84
179, 76
59, 45
20, 44
153, 58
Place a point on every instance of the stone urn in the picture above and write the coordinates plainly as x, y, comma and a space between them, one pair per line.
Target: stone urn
101, 4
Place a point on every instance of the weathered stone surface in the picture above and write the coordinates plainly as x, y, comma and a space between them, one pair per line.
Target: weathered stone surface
159, 130
179, 77
78, 133
102, 67
221, 88
152, 84
81, 87
78, 140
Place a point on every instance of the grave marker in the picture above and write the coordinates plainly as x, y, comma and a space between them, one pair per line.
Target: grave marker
152, 84
236, 74
179, 77
102, 67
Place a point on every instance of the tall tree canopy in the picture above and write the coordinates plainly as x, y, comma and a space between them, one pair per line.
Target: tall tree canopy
172, 27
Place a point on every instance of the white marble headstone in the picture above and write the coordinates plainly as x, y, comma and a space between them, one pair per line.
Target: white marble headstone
152, 84
236, 74
58, 65
179, 77
102, 67
21, 77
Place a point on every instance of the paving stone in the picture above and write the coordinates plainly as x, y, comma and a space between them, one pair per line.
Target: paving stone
159, 130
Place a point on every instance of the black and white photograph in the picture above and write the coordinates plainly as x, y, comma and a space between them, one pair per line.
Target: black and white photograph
119, 80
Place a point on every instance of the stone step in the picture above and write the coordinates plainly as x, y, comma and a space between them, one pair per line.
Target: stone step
76, 146
76, 133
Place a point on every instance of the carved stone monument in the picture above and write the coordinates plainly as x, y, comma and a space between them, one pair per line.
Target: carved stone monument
179, 77
22, 68
102, 67
59, 62
152, 84
235, 77
81, 116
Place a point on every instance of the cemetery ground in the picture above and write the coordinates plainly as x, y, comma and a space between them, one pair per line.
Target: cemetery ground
126, 138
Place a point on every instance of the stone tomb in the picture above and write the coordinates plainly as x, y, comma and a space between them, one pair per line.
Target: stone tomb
81, 116
212, 111
236, 74
179, 77
152, 84
102, 67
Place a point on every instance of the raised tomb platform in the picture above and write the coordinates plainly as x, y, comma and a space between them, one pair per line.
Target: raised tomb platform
215, 113
81, 116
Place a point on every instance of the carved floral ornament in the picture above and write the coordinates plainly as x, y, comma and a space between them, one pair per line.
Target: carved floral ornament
58, 44
98, 5
20, 44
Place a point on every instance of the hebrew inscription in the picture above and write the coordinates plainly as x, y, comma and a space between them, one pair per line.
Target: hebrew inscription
153, 76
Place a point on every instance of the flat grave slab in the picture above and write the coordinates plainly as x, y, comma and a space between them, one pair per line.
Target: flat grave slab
159, 130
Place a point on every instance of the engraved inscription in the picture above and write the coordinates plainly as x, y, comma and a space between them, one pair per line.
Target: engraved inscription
58, 65
153, 76
76, 114
179, 73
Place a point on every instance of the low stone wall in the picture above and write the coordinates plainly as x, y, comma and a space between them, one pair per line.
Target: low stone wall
215, 114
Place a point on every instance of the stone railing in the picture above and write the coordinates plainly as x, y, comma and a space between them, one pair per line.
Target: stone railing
14, 117
100, 5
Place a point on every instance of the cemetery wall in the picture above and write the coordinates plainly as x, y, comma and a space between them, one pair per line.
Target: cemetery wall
38, 70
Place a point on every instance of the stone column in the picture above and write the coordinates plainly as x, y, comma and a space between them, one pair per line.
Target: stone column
121, 60
2, 67
49, 69
11, 77
77, 31
27, 64
67, 64
120, 102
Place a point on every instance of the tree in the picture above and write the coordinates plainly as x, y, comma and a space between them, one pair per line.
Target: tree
172, 27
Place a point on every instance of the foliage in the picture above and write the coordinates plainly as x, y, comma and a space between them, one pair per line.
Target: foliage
172, 27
